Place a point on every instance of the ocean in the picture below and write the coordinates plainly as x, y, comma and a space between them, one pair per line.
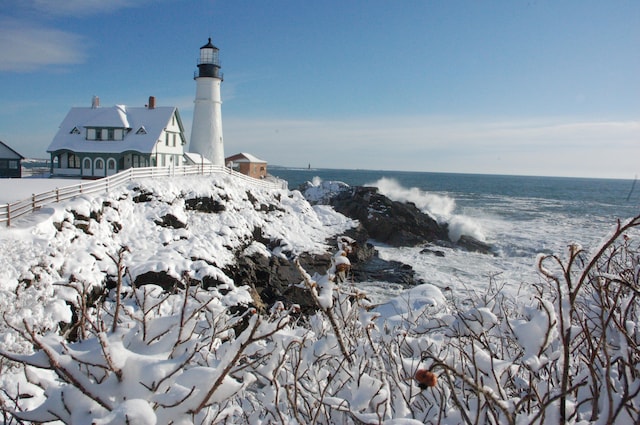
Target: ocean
520, 216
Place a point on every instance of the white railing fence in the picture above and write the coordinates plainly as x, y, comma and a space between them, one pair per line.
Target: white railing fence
17, 209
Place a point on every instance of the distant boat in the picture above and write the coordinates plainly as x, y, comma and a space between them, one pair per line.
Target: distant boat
309, 166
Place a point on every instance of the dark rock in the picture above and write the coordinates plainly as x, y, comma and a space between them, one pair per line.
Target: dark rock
172, 221
84, 226
474, 245
162, 279
378, 270
386, 221
367, 266
267, 208
389, 222
363, 250
79, 217
96, 215
274, 278
142, 196
204, 204
435, 252
278, 279
251, 198
116, 227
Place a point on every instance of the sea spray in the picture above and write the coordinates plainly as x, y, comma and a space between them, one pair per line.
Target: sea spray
440, 207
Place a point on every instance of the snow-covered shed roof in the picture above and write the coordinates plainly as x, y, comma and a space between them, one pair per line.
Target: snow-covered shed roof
152, 120
245, 157
195, 158
7, 152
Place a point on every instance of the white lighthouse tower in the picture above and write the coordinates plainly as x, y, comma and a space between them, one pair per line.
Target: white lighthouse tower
206, 129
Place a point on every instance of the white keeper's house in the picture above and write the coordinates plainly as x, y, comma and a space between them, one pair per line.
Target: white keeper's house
96, 141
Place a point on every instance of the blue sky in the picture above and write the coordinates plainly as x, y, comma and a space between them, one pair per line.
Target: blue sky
504, 87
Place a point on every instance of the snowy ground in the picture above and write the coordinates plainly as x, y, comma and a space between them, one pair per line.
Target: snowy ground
151, 357
12, 190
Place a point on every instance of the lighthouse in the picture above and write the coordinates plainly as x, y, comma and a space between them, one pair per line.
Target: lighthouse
206, 128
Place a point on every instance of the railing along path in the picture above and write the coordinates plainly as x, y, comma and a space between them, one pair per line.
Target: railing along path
12, 211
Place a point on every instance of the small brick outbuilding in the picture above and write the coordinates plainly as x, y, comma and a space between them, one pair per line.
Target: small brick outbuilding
247, 164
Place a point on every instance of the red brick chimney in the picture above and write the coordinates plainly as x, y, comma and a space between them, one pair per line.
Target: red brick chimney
152, 102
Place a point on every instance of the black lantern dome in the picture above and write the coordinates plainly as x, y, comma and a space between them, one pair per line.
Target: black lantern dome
209, 62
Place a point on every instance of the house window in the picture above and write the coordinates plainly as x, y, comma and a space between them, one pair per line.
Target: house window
166, 139
111, 164
73, 161
163, 160
99, 164
105, 133
141, 130
13, 165
75, 131
174, 140
87, 164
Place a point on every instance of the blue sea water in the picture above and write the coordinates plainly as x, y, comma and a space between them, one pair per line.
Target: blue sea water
520, 216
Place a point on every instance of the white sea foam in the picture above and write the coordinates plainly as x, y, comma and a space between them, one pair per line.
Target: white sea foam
518, 227
520, 217
439, 206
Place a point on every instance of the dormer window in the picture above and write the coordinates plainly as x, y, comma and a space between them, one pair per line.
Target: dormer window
108, 133
75, 130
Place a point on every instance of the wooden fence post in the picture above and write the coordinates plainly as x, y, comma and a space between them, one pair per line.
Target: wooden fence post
8, 215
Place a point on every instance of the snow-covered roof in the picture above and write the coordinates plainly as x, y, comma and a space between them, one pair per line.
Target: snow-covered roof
153, 120
115, 116
245, 157
7, 152
195, 158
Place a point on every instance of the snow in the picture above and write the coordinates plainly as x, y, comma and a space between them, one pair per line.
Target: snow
182, 357
318, 190
119, 116
411, 304
13, 190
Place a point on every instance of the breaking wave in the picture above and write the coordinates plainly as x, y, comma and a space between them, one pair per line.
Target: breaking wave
440, 207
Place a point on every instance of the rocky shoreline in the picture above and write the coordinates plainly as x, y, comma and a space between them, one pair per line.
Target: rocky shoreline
380, 219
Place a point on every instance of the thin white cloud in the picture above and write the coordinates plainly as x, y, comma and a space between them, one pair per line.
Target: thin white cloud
445, 144
27, 47
82, 7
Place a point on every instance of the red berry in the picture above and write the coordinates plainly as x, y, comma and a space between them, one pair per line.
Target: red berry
425, 378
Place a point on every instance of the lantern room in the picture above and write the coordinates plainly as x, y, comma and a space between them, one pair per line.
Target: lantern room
209, 62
